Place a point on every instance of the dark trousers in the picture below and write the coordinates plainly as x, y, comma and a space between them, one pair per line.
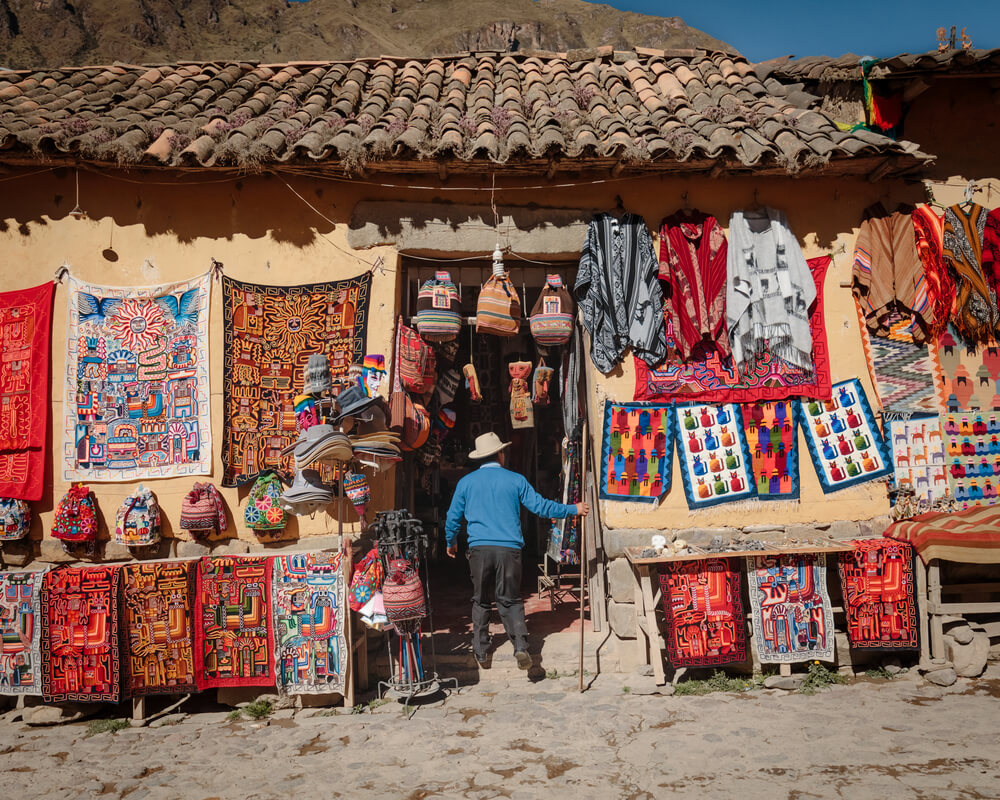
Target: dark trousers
497, 571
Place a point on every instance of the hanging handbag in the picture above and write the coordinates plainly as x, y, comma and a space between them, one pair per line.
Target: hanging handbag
439, 310
498, 309
264, 511
15, 519
551, 320
76, 517
366, 580
202, 510
417, 363
137, 523
403, 593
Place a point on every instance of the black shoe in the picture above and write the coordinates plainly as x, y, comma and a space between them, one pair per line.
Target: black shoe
483, 661
523, 659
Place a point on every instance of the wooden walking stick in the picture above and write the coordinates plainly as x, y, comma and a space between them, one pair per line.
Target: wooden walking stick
583, 542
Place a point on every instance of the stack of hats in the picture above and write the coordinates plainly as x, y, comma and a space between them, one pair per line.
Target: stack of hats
320, 442
306, 495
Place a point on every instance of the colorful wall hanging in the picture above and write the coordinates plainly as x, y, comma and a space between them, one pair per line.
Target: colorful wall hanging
844, 442
966, 377
311, 653
636, 451
20, 632
972, 456
706, 626
137, 393
918, 459
770, 429
80, 658
269, 334
157, 605
792, 615
901, 370
880, 604
233, 632
706, 378
715, 459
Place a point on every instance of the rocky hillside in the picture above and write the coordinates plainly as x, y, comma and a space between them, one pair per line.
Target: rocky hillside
35, 33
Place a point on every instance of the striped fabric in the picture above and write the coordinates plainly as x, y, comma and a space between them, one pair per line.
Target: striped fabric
439, 316
928, 231
976, 316
498, 310
970, 537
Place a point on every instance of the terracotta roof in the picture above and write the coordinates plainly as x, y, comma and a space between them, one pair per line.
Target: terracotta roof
645, 110
846, 68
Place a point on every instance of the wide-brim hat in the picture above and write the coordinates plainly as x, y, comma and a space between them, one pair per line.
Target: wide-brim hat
353, 400
487, 445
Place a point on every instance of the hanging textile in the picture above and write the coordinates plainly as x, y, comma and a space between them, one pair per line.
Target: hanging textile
901, 370
972, 452
968, 537
80, 657
715, 459
570, 374
710, 380
137, 387
791, 610
636, 452
310, 649
157, 607
234, 644
918, 457
991, 247
928, 233
976, 316
966, 377
706, 626
771, 433
269, 334
20, 632
879, 589
521, 413
618, 290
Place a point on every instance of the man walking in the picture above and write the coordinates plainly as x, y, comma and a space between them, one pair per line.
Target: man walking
490, 500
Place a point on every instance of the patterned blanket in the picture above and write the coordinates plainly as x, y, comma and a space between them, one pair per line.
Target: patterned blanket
771, 431
137, 393
879, 591
901, 370
270, 332
20, 632
715, 459
972, 453
969, 537
636, 451
918, 458
966, 377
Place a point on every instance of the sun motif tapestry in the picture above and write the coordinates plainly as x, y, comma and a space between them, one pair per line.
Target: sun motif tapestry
137, 388
972, 456
80, 658
792, 615
877, 580
234, 645
25, 331
310, 649
771, 431
966, 376
636, 451
918, 457
270, 332
157, 605
705, 622
845, 443
20, 632
715, 459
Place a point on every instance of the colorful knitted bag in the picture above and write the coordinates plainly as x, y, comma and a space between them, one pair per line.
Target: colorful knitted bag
15, 519
403, 593
263, 512
137, 523
202, 510
551, 320
366, 580
439, 309
76, 516
417, 363
359, 493
498, 310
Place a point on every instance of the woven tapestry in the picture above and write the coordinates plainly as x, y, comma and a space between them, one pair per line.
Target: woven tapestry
25, 328
972, 452
771, 431
900, 369
157, 604
918, 460
636, 451
137, 394
966, 377
311, 654
879, 589
706, 378
233, 632
80, 658
715, 459
20, 632
270, 332
844, 441
705, 622
792, 615
971, 536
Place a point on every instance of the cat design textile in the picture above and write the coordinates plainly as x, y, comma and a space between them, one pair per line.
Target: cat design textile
234, 645
310, 611
706, 378
80, 657
269, 332
918, 458
792, 615
20, 632
844, 442
137, 385
157, 617
706, 626
636, 451
715, 459
879, 588
900, 369
25, 332
966, 375
972, 456
771, 429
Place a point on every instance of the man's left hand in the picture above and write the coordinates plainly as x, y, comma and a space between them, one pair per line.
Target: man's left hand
452, 551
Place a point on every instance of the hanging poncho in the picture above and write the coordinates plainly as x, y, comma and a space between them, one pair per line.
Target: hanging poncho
976, 316
928, 235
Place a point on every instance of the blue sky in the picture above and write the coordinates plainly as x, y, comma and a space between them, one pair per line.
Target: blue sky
763, 29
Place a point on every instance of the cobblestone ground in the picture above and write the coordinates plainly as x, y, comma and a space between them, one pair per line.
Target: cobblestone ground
507, 737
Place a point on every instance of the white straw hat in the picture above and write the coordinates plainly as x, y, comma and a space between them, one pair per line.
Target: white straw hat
487, 445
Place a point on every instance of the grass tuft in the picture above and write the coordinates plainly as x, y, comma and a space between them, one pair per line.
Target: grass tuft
258, 709
819, 676
879, 673
112, 726
719, 682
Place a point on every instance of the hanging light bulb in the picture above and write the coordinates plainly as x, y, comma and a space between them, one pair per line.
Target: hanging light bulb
498, 268
77, 212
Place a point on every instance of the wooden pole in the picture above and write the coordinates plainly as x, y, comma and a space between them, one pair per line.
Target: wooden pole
583, 543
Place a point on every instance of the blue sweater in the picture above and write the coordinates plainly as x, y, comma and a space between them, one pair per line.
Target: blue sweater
490, 499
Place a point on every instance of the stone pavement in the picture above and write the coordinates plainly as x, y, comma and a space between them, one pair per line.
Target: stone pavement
509, 737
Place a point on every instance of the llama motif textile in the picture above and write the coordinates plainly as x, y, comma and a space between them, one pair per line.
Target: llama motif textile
137, 393
233, 633
771, 433
844, 442
918, 459
269, 334
792, 615
636, 451
80, 658
20, 633
972, 453
966, 375
715, 459
877, 580
704, 613
157, 613
311, 654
